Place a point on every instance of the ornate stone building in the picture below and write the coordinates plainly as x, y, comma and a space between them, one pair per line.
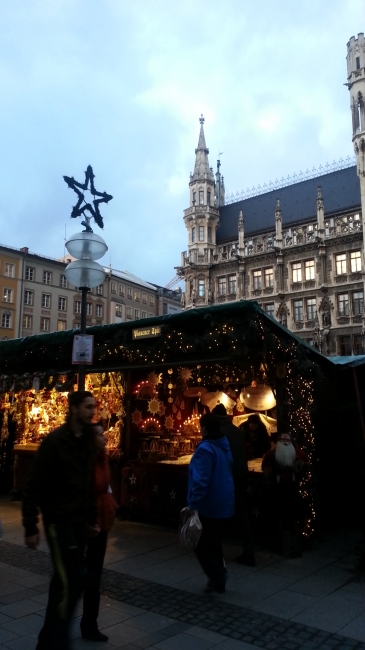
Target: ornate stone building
297, 249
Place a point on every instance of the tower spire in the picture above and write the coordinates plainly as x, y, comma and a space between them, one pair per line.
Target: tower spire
202, 170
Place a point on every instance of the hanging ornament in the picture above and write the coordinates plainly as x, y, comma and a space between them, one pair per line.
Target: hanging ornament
179, 415
154, 406
182, 405
174, 408
154, 379
136, 417
170, 371
169, 422
185, 374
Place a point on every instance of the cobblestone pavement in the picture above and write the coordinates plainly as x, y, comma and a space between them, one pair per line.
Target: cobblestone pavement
138, 612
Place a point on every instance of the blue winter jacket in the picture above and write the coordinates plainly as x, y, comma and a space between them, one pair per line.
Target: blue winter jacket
210, 484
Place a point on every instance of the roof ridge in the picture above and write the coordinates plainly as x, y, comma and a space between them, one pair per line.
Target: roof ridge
292, 180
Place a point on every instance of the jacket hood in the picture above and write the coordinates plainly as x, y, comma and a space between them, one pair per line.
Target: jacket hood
221, 442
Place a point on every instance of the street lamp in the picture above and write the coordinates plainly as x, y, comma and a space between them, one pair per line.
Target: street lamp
84, 272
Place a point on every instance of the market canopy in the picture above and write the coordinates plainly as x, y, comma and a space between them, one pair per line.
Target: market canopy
231, 330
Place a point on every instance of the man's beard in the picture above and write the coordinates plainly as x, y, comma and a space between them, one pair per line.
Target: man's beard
285, 454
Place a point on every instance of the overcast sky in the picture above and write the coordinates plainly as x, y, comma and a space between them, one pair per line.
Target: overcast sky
120, 85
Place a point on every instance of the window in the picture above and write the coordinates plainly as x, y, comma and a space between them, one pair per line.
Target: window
46, 300
144, 297
62, 304
357, 303
113, 287
269, 277
47, 277
345, 345
201, 233
194, 198
311, 308
309, 269
28, 297
297, 272
150, 314
118, 310
44, 324
99, 290
357, 63
165, 308
29, 273
77, 306
129, 293
89, 309
231, 284
8, 295
6, 319
341, 264
152, 300
208, 197
193, 235
201, 197
343, 304
99, 311
137, 295
201, 288
27, 322
9, 270
355, 261
257, 281
298, 311
121, 290
358, 344
269, 308
209, 234
63, 281
143, 314
136, 314
61, 325
222, 286
129, 312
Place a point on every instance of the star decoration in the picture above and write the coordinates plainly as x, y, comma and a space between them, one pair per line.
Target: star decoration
133, 479
172, 495
154, 379
154, 406
256, 512
162, 409
93, 210
133, 500
155, 488
136, 417
185, 374
169, 422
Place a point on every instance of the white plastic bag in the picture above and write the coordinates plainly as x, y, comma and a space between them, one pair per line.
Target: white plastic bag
190, 529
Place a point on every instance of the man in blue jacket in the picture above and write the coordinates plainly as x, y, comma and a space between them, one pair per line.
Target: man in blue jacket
211, 494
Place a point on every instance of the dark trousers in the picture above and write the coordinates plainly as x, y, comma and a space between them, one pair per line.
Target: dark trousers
242, 521
67, 547
96, 547
209, 550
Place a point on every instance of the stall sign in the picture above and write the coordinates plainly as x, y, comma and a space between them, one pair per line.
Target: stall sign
146, 332
83, 348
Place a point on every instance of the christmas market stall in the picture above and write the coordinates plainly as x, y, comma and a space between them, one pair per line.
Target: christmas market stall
152, 381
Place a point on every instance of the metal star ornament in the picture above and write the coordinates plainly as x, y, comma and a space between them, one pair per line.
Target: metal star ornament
79, 209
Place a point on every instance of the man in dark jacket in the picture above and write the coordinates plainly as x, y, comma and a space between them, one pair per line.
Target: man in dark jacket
211, 494
237, 444
60, 482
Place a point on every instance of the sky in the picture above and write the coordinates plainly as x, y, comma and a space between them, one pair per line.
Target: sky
121, 85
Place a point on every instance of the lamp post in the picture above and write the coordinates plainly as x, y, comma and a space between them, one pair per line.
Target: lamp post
85, 273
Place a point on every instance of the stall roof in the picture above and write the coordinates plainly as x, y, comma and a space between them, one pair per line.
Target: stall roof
350, 361
45, 351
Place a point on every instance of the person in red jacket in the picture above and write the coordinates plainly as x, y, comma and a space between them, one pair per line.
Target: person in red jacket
96, 546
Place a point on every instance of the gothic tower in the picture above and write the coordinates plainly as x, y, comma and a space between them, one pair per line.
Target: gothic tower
356, 86
201, 221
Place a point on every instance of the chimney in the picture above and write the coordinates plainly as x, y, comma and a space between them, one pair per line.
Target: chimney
25, 250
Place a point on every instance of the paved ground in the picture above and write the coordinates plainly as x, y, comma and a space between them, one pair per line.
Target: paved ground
153, 595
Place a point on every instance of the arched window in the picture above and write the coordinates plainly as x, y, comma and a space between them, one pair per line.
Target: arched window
208, 197
201, 288
201, 197
193, 235
194, 198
